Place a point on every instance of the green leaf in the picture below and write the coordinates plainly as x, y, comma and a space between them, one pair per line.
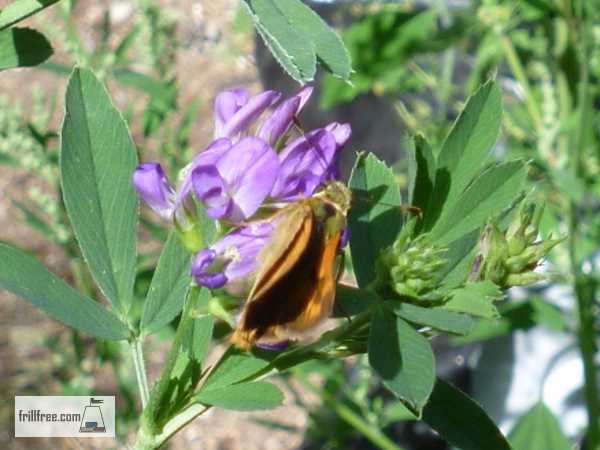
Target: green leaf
21, 9
202, 334
329, 48
25, 277
421, 172
97, 160
436, 318
23, 47
516, 316
169, 285
461, 421
375, 217
233, 367
476, 299
294, 52
251, 396
402, 358
490, 193
460, 257
187, 370
350, 301
538, 429
466, 149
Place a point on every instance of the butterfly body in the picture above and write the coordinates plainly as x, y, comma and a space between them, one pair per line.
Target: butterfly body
294, 289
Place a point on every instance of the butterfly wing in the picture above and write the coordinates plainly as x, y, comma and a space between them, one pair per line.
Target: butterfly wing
295, 300
292, 234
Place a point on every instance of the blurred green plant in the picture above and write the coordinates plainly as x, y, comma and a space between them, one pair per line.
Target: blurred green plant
546, 56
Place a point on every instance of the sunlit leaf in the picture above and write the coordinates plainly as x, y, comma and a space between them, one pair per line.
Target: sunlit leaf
25, 277
251, 396
375, 217
169, 284
97, 160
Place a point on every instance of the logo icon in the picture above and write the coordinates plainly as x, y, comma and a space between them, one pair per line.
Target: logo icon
92, 420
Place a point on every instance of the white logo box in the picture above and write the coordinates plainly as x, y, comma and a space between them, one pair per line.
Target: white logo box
65, 416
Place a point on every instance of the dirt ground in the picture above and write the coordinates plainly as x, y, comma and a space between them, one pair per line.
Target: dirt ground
212, 58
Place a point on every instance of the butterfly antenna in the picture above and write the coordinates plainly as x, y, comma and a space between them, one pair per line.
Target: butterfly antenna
300, 129
412, 209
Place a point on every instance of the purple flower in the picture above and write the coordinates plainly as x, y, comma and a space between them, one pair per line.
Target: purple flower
234, 186
237, 172
231, 261
235, 111
308, 161
281, 119
152, 185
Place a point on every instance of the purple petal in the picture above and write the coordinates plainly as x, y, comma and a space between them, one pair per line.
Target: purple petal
304, 164
227, 103
210, 188
279, 121
247, 114
208, 156
341, 132
282, 118
248, 241
344, 238
304, 95
249, 169
273, 346
202, 262
152, 185
231, 261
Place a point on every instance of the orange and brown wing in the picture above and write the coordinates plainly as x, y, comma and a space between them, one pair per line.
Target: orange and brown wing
291, 236
296, 297
319, 306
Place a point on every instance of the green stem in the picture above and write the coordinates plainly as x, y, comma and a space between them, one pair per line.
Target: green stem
146, 440
585, 285
516, 67
149, 438
137, 355
585, 288
149, 418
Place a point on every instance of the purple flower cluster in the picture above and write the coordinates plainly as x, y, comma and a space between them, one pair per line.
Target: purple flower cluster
248, 164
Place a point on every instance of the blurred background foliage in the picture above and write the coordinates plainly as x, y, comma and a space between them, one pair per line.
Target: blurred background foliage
415, 63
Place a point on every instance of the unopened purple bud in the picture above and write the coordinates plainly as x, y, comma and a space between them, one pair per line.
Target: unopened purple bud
152, 185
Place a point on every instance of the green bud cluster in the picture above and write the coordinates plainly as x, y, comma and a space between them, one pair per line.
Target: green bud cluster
510, 258
410, 267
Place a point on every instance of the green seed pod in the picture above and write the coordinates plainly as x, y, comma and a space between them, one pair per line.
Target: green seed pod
410, 267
